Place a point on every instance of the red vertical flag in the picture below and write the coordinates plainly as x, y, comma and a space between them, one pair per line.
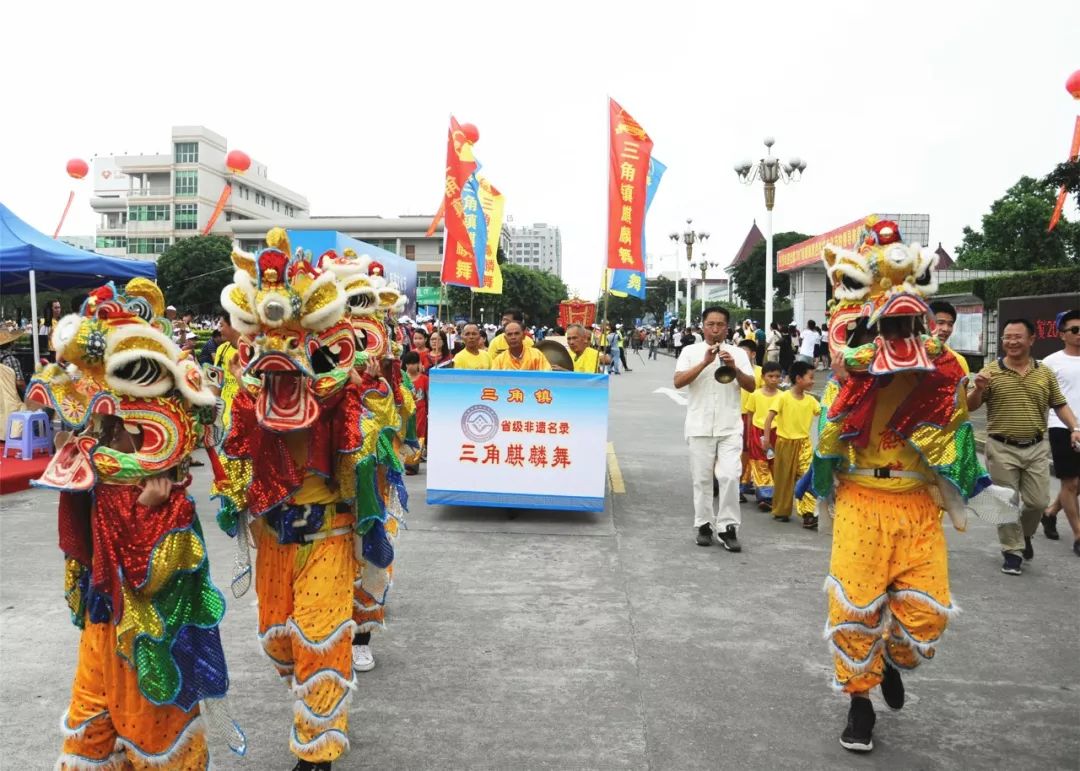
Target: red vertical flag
628, 171
459, 260
1073, 152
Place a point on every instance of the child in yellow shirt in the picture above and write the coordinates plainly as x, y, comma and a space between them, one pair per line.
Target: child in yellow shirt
792, 415
761, 402
746, 482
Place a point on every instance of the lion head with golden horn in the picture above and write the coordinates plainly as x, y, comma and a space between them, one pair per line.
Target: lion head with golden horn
879, 313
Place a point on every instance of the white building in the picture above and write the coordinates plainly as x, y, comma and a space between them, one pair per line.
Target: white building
147, 202
538, 246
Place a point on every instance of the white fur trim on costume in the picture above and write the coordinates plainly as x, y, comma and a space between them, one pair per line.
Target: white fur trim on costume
835, 589
71, 762
949, 611
371, 626
924, 649
320, 742
345, 628
164, 759
301, 690
855, 665
78, 731
330, 313
304, 712
244, 321
855, 627
897, 665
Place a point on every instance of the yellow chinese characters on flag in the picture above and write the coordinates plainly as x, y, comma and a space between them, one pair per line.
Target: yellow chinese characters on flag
492, 202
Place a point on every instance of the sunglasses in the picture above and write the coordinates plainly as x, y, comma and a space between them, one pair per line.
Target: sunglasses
1073, 330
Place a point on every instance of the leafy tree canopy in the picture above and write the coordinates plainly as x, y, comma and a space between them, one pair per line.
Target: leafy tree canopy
749, 275
1014, 233
193, 271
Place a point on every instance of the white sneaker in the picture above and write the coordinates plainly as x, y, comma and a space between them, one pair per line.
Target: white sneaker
362, 660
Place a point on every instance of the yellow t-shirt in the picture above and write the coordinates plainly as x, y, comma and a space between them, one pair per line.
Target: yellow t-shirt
760, 403
465, 360
794, 416
498, 345
314, 489
745, 395
223, 357
531, 359
588, 362
886, 449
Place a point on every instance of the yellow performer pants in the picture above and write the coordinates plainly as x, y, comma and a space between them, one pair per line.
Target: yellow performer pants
305, 627
110, 725
791, 460
888, 583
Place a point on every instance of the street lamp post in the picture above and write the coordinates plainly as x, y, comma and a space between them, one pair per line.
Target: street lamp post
703, 266
770, 171
688, 237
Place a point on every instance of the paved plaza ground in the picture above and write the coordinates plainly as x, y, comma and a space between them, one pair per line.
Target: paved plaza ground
525, 639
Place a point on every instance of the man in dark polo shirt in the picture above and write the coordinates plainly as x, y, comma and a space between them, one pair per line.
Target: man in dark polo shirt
1018, 391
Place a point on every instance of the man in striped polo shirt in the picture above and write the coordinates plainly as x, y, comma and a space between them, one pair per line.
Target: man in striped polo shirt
1018, 391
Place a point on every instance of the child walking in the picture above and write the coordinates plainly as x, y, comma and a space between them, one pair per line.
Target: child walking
761, 402
792, 414
746, 482
419, 379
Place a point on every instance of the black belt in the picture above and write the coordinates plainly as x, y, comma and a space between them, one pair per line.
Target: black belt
1017, 442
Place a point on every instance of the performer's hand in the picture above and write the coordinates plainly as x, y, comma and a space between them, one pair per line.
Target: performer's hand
155, 491
710, 354
725, 357
373, 369
839, 368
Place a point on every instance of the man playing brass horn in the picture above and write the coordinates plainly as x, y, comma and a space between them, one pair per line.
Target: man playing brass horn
714, 426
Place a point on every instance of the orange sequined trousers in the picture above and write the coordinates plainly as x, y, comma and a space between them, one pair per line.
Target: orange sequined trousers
306, 627
888, 583
109, 723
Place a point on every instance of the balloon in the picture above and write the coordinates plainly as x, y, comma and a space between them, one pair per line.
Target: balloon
471, 132
238, 161
1073, 84
77, 168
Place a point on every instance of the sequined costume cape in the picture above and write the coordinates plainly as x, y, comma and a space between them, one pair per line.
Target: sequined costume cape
933, 420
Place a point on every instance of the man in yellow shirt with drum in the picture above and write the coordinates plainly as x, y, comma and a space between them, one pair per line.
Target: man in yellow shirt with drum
517, 355
586, 359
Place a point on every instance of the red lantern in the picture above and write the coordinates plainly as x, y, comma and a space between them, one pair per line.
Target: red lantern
77, 168
238, 161
1073, 84
471, 132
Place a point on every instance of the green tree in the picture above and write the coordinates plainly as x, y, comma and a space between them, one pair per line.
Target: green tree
749, 275
193, 271
1067, 174
535, 292
1014, 233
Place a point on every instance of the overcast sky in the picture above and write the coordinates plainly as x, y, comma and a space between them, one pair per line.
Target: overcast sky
932, 107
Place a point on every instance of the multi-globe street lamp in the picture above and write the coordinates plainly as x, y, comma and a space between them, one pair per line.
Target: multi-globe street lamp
769, 170
688, 237
703, 266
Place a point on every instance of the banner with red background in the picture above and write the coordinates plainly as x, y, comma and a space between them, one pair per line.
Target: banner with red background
628, 173
459, 261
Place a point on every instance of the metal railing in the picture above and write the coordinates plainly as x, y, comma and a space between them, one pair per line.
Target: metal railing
149, 191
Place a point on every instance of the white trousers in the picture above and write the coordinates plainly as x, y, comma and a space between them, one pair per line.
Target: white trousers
719, 457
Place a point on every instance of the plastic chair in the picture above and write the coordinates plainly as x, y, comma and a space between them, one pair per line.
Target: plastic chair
35, 434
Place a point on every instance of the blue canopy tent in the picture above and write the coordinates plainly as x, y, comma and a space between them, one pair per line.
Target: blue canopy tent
29, 259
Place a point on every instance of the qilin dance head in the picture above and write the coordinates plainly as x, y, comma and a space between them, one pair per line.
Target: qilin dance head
879, 296
131, 398
289, 314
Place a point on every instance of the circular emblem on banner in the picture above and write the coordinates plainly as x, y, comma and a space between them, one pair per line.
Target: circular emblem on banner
480, 423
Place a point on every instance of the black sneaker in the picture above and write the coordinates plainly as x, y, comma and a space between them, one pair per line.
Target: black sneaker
742, 498
307, 765
1049, 523
729, 540
858, 736
1028, 552
704, 535
1076, 547
1013, 564
892, 687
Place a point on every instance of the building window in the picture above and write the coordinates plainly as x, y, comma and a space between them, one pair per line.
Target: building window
149, 213
410, 251
187, 216
187, 183
111, 242
260, 199
147, 245
187, 152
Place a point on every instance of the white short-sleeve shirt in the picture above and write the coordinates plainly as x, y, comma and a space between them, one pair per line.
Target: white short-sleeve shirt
1067, 369
712, 409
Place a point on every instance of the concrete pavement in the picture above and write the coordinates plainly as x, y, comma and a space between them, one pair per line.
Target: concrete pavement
524, 639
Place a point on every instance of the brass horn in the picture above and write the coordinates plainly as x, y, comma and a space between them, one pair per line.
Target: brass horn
557, 354
724, 374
